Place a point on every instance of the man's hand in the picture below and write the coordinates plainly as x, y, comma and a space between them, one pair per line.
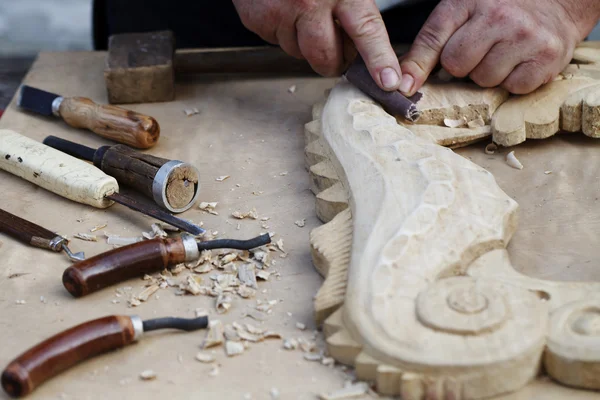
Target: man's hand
308, 29
516, 44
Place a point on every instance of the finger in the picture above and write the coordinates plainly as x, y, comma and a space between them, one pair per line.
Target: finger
527, 77
498, 64
320, 42
427, 47
287, 37
467, 47
362, 21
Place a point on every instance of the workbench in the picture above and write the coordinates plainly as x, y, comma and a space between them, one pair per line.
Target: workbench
251, 128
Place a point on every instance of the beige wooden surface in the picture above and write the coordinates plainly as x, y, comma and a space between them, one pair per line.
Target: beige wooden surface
250, 129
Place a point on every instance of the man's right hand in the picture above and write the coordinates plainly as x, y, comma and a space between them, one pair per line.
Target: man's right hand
307, 29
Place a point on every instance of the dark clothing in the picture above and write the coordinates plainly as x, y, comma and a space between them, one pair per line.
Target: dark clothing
198, 23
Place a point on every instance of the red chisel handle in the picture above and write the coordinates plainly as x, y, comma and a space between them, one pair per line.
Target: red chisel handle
65, 349
127, 262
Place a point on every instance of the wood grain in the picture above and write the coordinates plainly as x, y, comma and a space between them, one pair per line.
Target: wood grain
26, 231
117, 265
115, 123
63, 350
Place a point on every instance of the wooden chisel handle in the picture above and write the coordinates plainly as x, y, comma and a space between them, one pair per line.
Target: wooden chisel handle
29, 233
112, 122
54, 170
127, 262
65, 349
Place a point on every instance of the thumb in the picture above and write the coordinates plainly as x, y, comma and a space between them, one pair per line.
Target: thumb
427, 47
362, 22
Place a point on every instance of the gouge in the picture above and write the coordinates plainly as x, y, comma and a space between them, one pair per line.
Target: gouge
79, 343
112, 122
146, 257
172, 184
71, 178
35, 235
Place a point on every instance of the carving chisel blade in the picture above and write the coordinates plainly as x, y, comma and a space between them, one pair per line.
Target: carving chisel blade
156, 213
36, 100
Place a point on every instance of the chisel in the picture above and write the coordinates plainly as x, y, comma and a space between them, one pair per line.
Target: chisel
172, 184
72, 178
112, 122
70, 347
146, 257
35, 235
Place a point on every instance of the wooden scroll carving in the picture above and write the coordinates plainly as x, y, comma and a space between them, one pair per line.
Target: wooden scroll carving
419, 292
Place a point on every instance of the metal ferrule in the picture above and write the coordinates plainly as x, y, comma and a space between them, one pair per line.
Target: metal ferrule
191, 247
56, 243
56, 106
138, 327
159, 186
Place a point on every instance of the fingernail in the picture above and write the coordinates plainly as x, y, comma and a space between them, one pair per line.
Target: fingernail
406, 84
389, 78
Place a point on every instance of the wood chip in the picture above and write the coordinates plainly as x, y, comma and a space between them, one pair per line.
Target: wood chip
274, 394
455, 123
354, 390
547, 172
98, 227
227, 280
491, 148
512, 160
231, 333
233, 348
205, 357
263, 308
253, 329
148, 375
122, 241
223, 303
246, 292
191, 111
247, 276
176, 270
300, 223
300, 326
222, 178
86, 237
250, 337
328, 361
252, 214
290, 344
256, 315
158, 231
215, 335
312, 356
292, 89
201, 312
149, 291
264, 275
280, 245
214, 372
193, 286
20, 302
209, 207
306, 346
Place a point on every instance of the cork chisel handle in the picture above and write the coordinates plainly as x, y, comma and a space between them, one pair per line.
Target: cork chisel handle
64, 350
54, 170
127, 262
112, 122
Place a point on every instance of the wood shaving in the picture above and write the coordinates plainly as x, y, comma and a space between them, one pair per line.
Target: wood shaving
279, 244
290, 344
204, 357
158, 231
98, 227
20, 302
231, 333
179, 268
547, 172
264, 275
328, 361
148, 375
201, 312
246, 292
226, 280
43, 300
222, 178
306, 346
121, 241
261, 256
264, 219
476, 123
284, 173
312, 356
271, 335
264, 308
233, 348
254, 330
250, 337
227, 258
252, 214
209, 207
512, 160
351, 391
300, 326
169, 228
214, 372
193, 286
134, 302
491, 148
145, 295
223, 303
455, 123
215, 335
86, 237
191, 111
292, 89
247, 276
256, 315
300, 223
